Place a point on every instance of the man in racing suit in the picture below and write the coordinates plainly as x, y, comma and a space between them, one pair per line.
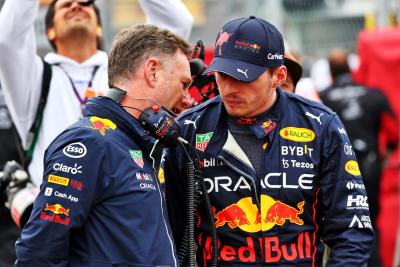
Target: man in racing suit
279, 181
100, 203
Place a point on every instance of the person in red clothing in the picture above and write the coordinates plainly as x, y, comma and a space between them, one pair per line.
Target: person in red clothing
365, 113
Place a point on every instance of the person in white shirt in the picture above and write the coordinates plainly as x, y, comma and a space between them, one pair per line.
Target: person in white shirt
79, 68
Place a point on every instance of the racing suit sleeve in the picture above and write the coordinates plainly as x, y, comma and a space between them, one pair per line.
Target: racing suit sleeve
72, 185
175, 192
20, 67
169, 14
345, 225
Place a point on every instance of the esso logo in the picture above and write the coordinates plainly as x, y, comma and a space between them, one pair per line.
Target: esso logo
75, 150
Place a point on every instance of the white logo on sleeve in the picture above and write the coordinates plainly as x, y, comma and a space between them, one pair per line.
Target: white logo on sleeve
312, 116
242, 72
48, 191
187, 122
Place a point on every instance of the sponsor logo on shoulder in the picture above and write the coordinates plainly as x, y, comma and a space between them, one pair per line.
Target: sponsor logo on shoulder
342, 131
67, 169
48, 191
202, 140
365, 222
352, 185
348, 149
137, 157
145, 181
357, 202
58, 180
297, 134
75, 150
56, 210
351, 167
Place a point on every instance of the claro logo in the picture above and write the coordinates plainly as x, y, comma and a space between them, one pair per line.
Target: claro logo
297, 134
75, 150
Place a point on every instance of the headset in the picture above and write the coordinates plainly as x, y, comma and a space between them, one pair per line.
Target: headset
161, 124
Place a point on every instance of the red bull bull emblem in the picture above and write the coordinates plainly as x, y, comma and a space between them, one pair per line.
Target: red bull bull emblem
245, 215
137, 157
268, 126
101, 125
56, 210
223, 38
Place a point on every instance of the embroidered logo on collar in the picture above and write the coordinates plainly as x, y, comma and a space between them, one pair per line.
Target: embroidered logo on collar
202, 140
187, 122
101, 125
246, 120
317, 118
268, 126
137, 157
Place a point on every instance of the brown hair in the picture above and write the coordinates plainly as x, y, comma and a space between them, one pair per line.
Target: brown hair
134, 45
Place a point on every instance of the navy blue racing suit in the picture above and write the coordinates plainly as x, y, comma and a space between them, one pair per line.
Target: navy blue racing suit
310, 191
100, 203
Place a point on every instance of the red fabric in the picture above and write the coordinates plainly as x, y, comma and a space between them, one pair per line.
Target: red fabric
379, 53
208, 56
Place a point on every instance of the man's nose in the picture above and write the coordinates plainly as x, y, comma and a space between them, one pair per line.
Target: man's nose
75, 5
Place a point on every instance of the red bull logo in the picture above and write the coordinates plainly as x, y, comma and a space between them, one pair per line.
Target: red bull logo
268, 126
223, 38
246, 216
57, 209
101, 125
272, 247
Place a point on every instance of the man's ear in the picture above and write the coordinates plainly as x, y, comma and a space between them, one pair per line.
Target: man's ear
280, 76
151, 68
51, 34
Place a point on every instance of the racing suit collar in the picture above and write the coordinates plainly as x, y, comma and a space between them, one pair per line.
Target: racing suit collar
266, 126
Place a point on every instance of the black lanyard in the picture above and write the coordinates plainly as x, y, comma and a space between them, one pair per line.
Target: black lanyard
81, 101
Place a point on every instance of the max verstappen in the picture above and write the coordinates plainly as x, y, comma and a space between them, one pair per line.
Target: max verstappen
281, 182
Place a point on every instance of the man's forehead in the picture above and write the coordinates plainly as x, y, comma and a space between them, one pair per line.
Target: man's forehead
81, 2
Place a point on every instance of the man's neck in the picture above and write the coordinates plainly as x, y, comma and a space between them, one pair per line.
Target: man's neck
77, 49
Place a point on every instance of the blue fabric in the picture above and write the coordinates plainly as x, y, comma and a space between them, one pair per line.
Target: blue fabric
310, 191
100, 202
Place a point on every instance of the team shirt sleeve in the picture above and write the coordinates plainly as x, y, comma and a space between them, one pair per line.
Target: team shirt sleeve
71, 185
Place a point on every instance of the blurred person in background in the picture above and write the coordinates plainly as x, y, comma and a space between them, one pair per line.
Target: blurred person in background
365, 113
276, 171
44, 97
112, 212
10, 150
293, 81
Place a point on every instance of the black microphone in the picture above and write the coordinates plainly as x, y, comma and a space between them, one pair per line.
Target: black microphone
197, 66
161, 125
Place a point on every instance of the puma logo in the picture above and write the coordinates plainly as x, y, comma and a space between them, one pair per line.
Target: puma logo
242, 72
312, 116
186, 122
